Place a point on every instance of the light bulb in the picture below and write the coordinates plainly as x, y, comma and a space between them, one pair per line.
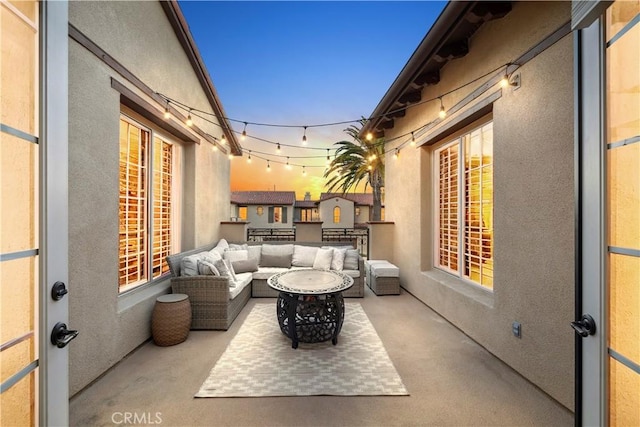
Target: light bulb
189, 121
230, 156
369, 167
413, 140
304, 136
249, 158
167, 114
288, 166
504, 82
223, 140
278, 149
369, 136
396, 154
268, 166
244, 132
304, 171
214, 148
442, 113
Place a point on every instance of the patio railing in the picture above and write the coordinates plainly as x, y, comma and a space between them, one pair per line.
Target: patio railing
271, 234
359, 237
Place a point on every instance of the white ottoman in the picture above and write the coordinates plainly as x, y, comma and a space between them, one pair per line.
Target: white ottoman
367, 268
384, 278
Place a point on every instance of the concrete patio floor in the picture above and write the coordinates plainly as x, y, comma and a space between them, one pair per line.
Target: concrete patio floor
452, 381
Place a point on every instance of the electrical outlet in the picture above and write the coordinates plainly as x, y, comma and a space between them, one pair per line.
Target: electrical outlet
516, 328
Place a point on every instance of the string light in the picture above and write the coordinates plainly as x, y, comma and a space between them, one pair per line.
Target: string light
189, 121
396, 154
328, 158
167, 114
278, 149
413, 140
288, 166
223, 140
504, 82
244, 132
304, 171
369, 136
442, 112
249, 158
268, 166
304, 136
214, 147
372, 157
369, 167
230, 156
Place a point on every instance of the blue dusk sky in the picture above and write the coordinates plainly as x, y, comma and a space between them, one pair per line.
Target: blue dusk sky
302, 63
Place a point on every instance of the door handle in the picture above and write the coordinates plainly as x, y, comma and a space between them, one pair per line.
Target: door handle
585, 326
61, 336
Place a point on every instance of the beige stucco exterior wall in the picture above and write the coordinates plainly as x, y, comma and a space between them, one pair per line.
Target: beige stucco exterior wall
533, 202
262, 221
139, 36
364, 216
347, 211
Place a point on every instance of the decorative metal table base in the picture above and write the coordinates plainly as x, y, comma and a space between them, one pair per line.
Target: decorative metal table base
310, 319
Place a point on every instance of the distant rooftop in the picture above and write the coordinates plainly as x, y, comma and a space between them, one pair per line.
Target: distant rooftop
263, 197
357, 198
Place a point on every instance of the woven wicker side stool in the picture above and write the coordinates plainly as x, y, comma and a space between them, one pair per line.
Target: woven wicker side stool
384, 279
171, 319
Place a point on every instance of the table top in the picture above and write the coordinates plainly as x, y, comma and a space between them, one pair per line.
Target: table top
310, 282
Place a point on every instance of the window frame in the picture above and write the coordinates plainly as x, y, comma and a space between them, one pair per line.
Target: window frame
176, 202
242, 209
461, 204
277, 215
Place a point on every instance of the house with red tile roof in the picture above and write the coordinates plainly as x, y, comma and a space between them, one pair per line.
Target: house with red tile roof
264, 209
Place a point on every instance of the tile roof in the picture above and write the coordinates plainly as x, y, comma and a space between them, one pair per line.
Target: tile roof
306, 203
263, 197
357, 198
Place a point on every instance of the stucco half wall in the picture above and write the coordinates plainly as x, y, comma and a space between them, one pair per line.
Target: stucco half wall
533, 202
112, 325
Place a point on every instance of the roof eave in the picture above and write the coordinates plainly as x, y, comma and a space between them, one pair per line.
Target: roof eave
181, 28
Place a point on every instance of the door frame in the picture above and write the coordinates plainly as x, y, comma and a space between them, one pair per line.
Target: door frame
53, 201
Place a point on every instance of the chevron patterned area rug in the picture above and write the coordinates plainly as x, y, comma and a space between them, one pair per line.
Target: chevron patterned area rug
259, 361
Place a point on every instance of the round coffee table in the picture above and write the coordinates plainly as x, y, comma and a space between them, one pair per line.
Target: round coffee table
310, 305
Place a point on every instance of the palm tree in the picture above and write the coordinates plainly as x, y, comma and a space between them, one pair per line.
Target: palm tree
356, 161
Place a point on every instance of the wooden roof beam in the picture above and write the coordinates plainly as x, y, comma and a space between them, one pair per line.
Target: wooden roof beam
453, 50
428, 78
487, 11
410, 97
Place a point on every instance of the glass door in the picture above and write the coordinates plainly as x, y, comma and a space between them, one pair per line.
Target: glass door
608, 149
30, 179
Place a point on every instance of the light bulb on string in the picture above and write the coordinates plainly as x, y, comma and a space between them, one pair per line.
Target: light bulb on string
369, 136
249, 158
167, 114
413, 140
244, 132
223, 140
504, 82
189, 121
230, 156
278, 148
442, 113
372, 157
396, 154
328, 158
268, 166
304, 171
288, 166
214, 147
369, 167
304, 136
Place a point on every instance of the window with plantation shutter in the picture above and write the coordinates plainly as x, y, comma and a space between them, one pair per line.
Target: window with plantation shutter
464, 206
148, 229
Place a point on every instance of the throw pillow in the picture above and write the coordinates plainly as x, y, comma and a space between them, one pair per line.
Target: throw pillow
286, 249
245, 266
211, 256
337, 262
225, 271
236, 255
189, 264
221, 247
304, 256
254, 252
351, 259
267, 260
323, 259
207, 268
237, 247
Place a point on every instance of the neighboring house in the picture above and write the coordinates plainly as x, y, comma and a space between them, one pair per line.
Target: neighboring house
140, 186
306, 211
336, 210
264, 209
519, 211
362, 206
484, 204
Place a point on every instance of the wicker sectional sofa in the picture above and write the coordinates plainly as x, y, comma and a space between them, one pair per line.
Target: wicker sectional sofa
215, 304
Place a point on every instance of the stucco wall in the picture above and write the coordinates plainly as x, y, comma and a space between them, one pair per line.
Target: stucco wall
262, 221
347, 211
140, 37
533, 202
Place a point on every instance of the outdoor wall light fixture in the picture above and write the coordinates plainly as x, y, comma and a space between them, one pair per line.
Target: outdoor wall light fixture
189, 121
442, 113
304, 136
